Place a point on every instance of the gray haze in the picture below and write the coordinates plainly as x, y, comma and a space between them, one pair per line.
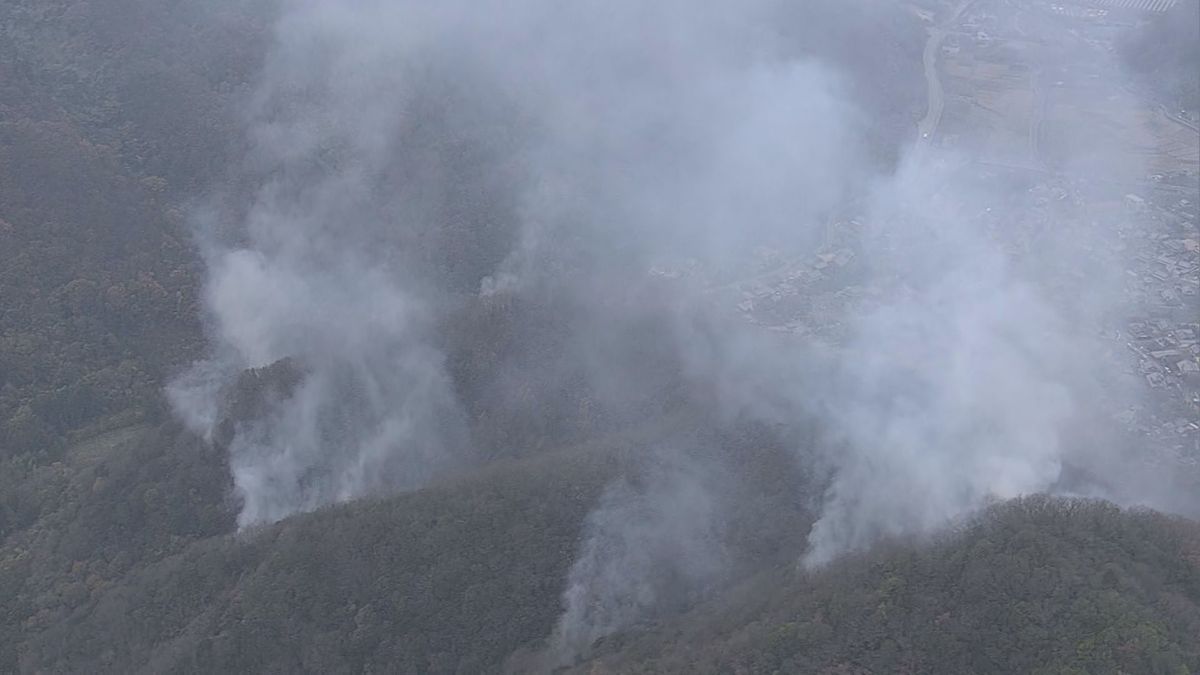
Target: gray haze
575, 145
954, 387
688, 133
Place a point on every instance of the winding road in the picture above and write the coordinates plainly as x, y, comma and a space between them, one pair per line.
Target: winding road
933, 113
1177, 119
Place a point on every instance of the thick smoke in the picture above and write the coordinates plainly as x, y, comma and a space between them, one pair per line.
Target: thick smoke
390, 139
331, 270
954, 388
407, 155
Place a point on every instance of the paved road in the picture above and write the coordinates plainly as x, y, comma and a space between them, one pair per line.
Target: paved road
933, 113
1177, 119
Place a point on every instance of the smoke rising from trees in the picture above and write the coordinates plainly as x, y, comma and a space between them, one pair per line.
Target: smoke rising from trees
405, 157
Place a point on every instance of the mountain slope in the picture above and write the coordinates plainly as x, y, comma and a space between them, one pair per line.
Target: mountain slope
1036, 585
452, 578
468, 576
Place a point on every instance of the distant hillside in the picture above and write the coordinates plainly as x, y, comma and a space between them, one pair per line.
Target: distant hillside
453, 578
1036, 585
467, 576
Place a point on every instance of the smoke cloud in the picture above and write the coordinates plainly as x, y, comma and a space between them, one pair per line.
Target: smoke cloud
405, 153
407, 158
954, 387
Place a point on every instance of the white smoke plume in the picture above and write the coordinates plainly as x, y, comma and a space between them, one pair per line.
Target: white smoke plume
953, 389
643, 547
615, 130
406, 155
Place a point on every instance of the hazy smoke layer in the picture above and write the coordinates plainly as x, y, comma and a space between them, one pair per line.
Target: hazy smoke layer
954, 387
331, 268
405, 150
374, 410
407, 153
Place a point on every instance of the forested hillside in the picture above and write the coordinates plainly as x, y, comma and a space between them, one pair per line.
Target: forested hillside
123, 127
1033, 586
466, 578
112, 118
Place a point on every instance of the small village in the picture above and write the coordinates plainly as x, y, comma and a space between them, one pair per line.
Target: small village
1163, 279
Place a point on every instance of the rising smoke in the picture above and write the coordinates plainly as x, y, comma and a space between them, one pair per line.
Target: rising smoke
408, 155
644, 547
389, 139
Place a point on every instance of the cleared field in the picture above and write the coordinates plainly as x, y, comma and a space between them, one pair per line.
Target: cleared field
990, 108
1025, 100
1115, 133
